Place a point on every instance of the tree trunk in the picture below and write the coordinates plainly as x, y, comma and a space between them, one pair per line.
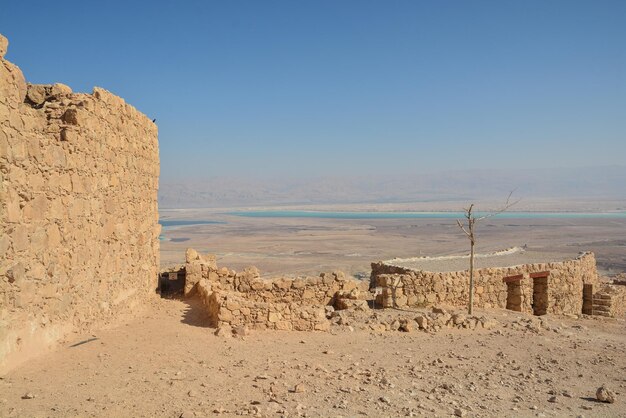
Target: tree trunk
471, 283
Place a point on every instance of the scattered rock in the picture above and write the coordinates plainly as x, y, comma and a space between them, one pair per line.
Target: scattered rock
28, 395
439, 310
224, 331
406, 326
459, 412
458, 319
241, 331
299, 388
552, 399
604, 394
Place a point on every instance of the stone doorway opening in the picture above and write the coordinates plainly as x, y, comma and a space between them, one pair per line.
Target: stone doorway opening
540, 292
172, 283
587, 299
514, 292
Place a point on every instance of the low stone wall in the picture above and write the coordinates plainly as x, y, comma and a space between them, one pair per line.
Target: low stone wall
232, 309
610, 301
416, 288
244, 298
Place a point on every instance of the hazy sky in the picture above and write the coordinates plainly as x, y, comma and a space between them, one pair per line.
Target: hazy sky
307, 88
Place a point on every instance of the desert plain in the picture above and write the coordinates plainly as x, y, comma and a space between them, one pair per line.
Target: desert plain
166, 361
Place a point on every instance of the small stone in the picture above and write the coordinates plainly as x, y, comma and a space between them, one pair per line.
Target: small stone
241, 331
552, 399
191, 393
299, 388
385, 399
459, 412
458, 319
224, 331
406, 326
28, 395
603, 394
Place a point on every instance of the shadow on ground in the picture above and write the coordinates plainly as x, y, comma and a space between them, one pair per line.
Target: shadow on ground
195, 313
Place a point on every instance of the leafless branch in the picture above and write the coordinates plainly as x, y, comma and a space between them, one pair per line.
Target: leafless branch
507, 205
463, 228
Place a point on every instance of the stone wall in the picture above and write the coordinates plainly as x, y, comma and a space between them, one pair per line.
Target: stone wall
609, 301
78, 211
244, 298
232, 309
417, 288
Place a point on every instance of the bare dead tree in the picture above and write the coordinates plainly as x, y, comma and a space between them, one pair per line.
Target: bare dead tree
470, 231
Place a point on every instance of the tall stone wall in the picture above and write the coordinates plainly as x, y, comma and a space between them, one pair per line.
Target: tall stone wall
421, 288
78, 211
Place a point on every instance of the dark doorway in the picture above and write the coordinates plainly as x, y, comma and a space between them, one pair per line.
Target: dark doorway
514, 295
588, 299
514, 292
540, 295
172, 283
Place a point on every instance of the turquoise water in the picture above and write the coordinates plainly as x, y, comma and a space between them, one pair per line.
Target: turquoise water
185, 222
422, 215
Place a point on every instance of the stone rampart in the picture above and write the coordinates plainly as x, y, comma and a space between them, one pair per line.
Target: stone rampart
406, 287
78, 211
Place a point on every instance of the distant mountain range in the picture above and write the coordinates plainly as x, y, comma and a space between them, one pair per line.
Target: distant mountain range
607, 183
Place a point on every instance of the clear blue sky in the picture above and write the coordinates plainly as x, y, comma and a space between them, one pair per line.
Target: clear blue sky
306, 88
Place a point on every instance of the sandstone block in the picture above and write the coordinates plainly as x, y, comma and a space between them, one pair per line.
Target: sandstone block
603, 394
422, 321
4, 46
59, 89
191, 255
36, 93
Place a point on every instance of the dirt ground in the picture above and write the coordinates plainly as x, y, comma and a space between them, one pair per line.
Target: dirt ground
165, 362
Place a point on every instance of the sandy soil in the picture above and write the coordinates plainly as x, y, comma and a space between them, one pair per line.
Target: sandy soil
166, 363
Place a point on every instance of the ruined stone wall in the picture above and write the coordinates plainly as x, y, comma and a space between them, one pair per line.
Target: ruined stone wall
78, 211
610, 301
422, 288
243, 298
232, 309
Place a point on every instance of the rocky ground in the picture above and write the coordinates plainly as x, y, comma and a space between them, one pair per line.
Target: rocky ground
167, 363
